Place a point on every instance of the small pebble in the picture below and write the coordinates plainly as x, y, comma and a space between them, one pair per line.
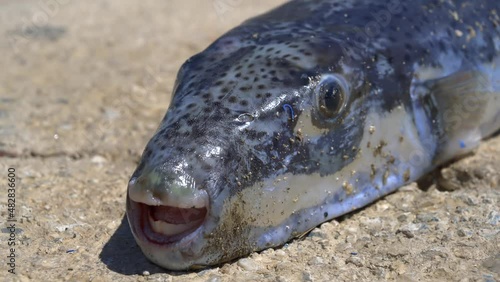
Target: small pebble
461, 233
280, 253
407, 233
248, 264
493, 218
357, 261
315, 261
402, 218
145, 273
427, 217
492, 263
307, 276
214, 278
318, 234
399, 267
97, 159
281, 279
468, 201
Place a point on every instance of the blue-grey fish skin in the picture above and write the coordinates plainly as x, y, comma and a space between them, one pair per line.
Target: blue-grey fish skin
308, 112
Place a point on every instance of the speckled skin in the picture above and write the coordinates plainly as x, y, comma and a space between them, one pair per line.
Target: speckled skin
228, 128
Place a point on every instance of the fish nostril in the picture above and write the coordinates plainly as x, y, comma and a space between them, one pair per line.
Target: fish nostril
156, 194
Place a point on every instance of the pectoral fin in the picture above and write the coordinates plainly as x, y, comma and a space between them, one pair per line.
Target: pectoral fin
458, 107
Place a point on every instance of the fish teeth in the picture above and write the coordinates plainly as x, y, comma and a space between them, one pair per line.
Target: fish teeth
169, 229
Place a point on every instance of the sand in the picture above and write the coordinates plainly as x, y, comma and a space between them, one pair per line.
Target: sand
83, 86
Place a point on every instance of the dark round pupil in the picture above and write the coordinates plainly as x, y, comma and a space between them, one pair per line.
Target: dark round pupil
332, 96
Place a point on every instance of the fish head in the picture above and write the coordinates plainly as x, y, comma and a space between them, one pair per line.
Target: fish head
251, 117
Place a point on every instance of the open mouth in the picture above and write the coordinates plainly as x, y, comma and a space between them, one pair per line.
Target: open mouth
167, 224
166, 209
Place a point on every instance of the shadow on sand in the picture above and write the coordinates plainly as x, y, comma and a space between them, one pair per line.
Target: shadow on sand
121, 254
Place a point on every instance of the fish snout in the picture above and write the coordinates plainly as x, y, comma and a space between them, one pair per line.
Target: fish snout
164, 207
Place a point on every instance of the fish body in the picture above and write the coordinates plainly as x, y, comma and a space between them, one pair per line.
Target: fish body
308, 112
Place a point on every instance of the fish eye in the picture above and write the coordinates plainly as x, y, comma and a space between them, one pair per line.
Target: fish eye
330, 96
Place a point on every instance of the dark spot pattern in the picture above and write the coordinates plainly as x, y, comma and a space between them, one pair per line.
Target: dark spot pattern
226, 126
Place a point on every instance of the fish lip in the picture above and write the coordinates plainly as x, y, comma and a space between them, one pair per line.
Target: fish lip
138, 215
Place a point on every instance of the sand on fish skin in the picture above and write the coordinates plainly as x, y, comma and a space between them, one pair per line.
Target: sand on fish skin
83, 86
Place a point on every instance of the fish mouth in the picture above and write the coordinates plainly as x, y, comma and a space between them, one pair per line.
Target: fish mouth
165, 225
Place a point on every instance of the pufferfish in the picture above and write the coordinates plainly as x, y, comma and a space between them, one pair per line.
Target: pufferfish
308, 112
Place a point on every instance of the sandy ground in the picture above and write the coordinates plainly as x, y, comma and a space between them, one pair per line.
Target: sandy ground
84, 84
